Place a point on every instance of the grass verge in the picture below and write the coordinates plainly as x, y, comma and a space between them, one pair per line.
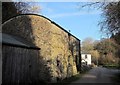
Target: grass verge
111, 66
69, 80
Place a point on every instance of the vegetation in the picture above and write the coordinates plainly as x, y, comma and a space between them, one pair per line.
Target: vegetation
110, 23
112, 66
10, 9
65, 81
88, 47
103, 52
69, 80
108, 49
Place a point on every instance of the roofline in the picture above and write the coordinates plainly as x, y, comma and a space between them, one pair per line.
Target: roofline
47, 19
20, 46
19, 43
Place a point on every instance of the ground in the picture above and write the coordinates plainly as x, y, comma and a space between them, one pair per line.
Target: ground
98, 75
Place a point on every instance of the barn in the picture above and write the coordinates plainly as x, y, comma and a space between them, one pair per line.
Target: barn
37, 49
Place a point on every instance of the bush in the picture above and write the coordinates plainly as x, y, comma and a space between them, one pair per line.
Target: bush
93, 65
85, 68
113, 66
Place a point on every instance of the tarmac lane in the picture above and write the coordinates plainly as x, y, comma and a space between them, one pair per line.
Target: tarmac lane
97, 75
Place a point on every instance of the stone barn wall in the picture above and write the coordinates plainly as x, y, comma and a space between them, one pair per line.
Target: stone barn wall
59, 49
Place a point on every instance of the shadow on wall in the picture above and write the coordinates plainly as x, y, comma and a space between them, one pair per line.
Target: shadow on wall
30, 30
75, 49
21, 65
8, 10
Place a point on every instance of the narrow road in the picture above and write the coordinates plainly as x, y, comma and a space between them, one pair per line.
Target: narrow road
98, 75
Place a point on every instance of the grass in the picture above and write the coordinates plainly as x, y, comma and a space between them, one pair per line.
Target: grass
66, 81
69, 80
112, 66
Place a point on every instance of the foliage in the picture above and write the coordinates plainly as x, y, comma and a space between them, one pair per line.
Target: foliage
85, 68
117, 40
23, 7
95, 56
116, 37
111, 66
69, 80
87, 45
104, 51
107, 49
111, 18
11, 9
110, 23
106, 46
8, 10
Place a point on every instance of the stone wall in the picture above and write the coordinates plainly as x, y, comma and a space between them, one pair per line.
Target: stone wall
60, 49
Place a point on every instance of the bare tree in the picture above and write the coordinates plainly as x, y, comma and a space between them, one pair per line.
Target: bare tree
110, 23
10, 9
27, 7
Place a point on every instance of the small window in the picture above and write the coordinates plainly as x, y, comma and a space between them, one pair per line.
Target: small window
85, 56
86, 62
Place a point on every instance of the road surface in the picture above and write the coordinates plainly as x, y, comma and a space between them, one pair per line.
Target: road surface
97, 75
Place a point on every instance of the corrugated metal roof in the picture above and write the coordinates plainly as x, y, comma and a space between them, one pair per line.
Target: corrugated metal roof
16, 41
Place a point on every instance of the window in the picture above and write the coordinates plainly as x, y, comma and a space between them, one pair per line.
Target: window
85, 56
86, 62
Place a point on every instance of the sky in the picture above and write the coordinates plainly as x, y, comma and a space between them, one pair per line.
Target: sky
64, 0
82, 22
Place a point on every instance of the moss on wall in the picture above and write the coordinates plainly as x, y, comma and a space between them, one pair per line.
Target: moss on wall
58, 48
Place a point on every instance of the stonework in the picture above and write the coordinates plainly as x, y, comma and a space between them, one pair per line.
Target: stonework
59, 49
